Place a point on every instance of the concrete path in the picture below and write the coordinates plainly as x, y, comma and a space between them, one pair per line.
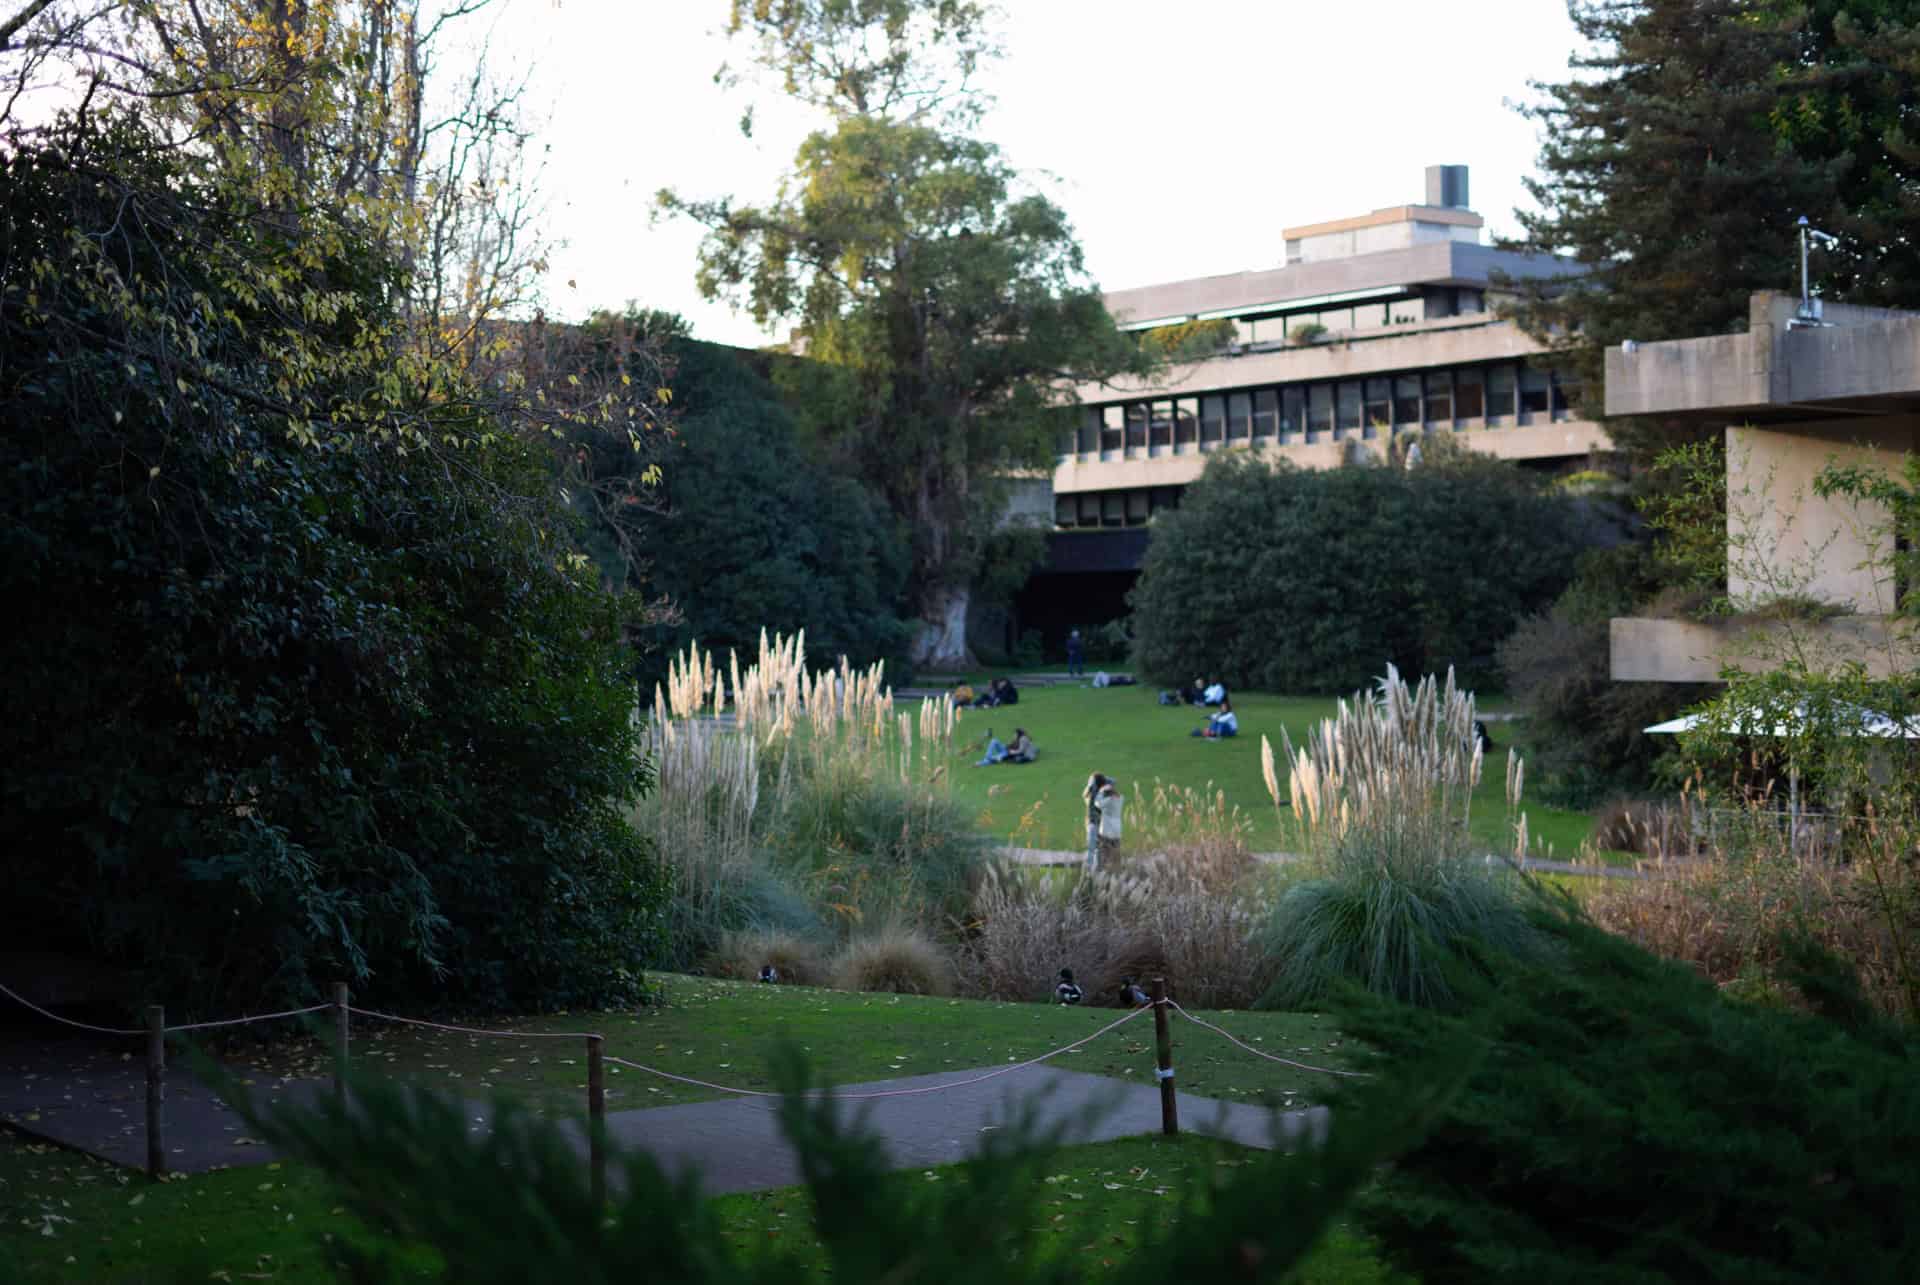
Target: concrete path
736, 1145
1044, 857
89, 1093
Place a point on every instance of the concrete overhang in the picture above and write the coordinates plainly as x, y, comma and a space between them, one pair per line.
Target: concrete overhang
1860, 361
1243, 293
1653, 650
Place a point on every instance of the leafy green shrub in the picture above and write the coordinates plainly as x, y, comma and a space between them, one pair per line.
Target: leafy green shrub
893, 959
752, 532
1031, 651
291, 697
1288, 580
1583, 728
1630, 1124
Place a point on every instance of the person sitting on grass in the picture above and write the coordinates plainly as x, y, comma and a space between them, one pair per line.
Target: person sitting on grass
1023, 750
996, 751
1221, 723
1005, 693
1192, 695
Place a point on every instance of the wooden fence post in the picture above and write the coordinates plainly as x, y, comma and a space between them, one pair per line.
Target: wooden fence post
597, 1120
341, 1031
1163, 1040
156, 1089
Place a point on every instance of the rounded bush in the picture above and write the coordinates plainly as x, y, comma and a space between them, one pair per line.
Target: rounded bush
893, 960
796, 959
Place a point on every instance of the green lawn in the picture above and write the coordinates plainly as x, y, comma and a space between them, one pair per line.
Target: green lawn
725, 1031
68, 1218
1125, 733
1100, 1202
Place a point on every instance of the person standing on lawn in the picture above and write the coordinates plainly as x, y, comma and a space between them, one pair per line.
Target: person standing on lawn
1076, 654
1108, 801
1092, 795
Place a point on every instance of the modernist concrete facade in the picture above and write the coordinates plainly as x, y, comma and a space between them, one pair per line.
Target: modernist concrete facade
1374, 327
1794, 393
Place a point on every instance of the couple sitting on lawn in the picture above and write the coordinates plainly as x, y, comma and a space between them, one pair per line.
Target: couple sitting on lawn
1000, 691
1222, 723
1022, 750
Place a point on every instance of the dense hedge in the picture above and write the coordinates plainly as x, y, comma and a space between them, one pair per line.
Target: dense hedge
1584, 729
1630, 1124
1273, 577
282, 712
755, 533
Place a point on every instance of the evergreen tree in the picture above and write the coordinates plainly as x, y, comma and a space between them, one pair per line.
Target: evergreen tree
942, 306
751, 532
1682, 151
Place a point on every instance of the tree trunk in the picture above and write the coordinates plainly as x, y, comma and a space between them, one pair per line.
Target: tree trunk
942, 641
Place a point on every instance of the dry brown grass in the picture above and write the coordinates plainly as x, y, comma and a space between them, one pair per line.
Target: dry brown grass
895, 960
798, 960
1729, 912
1163, 915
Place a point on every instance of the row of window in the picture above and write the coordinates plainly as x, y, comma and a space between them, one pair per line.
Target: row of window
1134, 507
1434, 302
1488, 395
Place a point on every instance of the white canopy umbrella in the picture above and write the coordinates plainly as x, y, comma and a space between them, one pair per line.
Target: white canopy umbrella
1864, 722
1870, 723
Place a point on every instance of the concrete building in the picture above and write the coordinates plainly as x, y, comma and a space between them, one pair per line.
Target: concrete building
1804, 386
1372, 327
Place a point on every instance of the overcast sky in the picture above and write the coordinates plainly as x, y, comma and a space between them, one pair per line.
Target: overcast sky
1180, 137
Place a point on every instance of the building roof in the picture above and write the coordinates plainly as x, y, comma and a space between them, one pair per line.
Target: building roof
1330, 281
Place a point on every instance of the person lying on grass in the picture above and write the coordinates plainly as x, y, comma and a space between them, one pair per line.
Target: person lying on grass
1221, 723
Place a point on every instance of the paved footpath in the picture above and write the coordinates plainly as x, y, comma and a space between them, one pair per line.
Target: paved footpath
1045, 857
736, 1145
89, 1093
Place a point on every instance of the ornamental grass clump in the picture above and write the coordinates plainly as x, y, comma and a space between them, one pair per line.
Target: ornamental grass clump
1382, 794
1191, 921
799, 801
893, 959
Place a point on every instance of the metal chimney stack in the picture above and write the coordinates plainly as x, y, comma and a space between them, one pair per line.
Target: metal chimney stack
1447, 186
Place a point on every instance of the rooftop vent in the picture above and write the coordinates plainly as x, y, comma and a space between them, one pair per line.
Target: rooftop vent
1447, 186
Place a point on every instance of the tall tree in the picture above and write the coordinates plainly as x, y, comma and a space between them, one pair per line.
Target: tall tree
945, 307
308, 681
1679, 155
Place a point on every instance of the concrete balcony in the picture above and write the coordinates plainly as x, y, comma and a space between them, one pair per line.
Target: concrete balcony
1651, 650
1177, 466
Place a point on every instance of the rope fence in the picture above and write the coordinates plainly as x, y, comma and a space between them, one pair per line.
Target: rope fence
1283, 1061
891, 1093
156, 1030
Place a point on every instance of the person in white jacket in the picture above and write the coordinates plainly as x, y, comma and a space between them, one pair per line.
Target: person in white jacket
1109, 802
1092, 795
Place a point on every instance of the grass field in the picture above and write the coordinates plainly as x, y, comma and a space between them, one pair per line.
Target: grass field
726, 1031
70, 1219
1101, 1202
1125, 733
